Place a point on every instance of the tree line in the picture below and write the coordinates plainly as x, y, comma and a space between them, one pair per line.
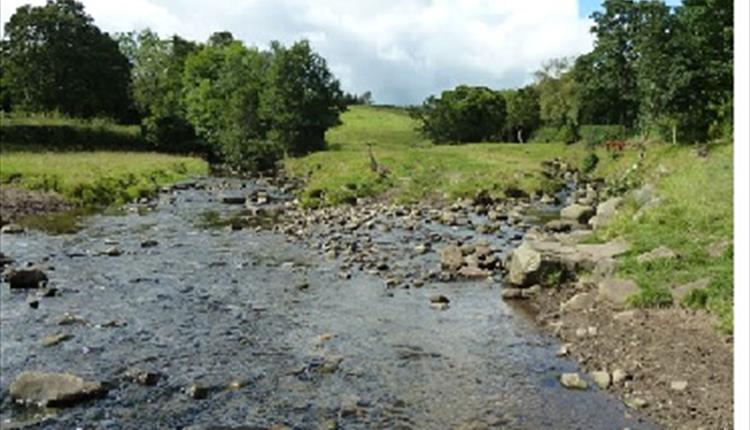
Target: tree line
238, 104
660, 72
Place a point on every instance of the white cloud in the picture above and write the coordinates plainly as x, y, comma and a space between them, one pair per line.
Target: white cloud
402, 50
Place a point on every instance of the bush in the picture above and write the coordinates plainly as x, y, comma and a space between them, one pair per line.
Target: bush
252, 155
545, 135
464, 114
565, 134
595, 135
589, 163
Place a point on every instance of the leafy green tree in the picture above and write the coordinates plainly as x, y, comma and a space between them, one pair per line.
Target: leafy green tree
701, 79
559, 98
55, 58
223, 84
464, 114
156, 84
610, 76
301, 98
523, 113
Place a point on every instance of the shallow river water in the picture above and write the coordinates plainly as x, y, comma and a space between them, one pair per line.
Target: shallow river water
214, 306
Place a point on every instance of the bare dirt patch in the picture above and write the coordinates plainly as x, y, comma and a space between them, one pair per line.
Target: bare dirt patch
16, 203
677, 367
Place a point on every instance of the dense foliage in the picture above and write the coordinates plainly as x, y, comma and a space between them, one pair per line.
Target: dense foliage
659, 72
464, 114
655, 71
55, 59
237, 105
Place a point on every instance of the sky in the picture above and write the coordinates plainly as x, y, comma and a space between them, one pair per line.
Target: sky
401, 50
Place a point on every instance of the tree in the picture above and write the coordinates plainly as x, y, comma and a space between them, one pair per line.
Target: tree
223, 84
559, 97
464, 114
610, 76
156, 83
301, 98
523, 113
57, 59
701, 79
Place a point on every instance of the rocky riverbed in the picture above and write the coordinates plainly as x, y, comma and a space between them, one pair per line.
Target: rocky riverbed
222, 304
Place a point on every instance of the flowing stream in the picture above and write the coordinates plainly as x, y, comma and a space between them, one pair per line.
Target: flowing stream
218, 307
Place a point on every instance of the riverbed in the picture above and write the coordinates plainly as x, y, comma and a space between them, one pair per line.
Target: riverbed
267, 324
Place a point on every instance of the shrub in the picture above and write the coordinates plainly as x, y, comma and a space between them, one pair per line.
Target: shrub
595, 135
589, 162
464, 114
549, 134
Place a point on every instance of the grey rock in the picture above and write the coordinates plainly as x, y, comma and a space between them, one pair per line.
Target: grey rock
678, 385
31, 277
681, 292
644, 195
660, 253
605, 212
53, 389
55, 339
439, 298
616, 290
451, 258
578, 213
197, 391
602, 379
509, 293
579, 302
12, 229
527, 265
619, 376
146, 378
573, 381
149, 243
717, 249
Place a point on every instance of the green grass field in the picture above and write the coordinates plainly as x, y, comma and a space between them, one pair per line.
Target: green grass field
419, 170
98, 177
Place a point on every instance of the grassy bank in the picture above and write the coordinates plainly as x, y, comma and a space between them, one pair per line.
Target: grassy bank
694, 216
696, 192
96, 177
418, 169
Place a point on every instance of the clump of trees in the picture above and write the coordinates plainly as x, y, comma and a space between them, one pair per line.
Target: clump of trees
660, 72
55, 59
464, 114
237, 104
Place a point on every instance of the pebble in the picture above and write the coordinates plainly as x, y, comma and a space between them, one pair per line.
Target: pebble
602, 379
55, 339
678, 385
573, 381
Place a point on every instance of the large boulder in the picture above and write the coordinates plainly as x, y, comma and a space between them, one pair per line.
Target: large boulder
528, 266
578, 213
617, 291
451, 258
681, 292
660, 253
53, 389
30, 277
605, 212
